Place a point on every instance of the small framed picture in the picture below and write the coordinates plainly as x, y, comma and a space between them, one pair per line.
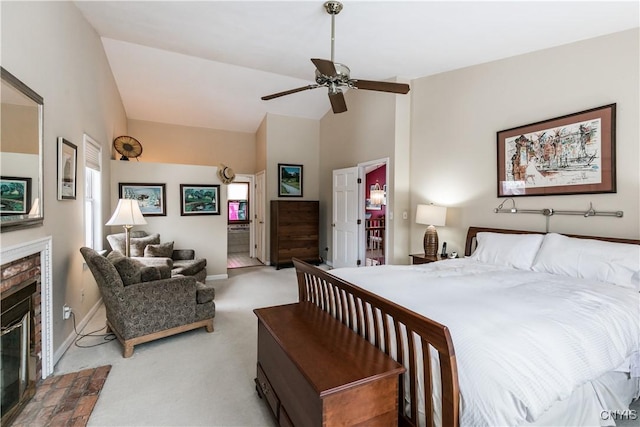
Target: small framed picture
199, 199
67, 169
289, 180
15, 195
151, 198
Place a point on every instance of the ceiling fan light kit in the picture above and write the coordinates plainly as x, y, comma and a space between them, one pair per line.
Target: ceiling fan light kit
334, 76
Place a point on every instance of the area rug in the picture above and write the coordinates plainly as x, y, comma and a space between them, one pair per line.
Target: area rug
64, 400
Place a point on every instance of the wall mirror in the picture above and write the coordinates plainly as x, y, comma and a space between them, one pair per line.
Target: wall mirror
21, 148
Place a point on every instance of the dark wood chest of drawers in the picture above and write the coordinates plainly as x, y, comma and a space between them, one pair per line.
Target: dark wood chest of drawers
314, 371
295, 232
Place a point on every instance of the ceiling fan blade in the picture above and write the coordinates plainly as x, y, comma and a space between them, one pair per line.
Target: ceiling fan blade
338, 104
288, 92
325, 66
402, 88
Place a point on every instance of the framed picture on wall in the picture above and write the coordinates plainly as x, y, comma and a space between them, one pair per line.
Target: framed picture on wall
572, 154
289, 180
199, 199
67, 169
15, 194
151, 197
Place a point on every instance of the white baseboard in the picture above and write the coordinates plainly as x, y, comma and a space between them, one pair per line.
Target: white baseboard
57, 354
217, 277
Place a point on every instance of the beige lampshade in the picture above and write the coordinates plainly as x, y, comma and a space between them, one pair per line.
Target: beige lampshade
432, 216
127, 213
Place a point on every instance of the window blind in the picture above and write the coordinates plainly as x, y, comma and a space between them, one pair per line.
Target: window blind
92, 156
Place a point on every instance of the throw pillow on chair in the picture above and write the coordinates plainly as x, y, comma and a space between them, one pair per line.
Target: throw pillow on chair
130, 270
164, 250
138, 244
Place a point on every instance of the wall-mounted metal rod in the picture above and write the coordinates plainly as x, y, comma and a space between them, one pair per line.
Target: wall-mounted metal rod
514, 210
549, 212
617, 214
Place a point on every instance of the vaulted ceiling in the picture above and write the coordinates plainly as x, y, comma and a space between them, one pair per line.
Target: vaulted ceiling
207, 63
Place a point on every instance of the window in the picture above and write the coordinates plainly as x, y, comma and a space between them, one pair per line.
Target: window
238, 202
92, 201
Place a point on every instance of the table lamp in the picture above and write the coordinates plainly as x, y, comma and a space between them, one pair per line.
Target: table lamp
432, 216
127, 214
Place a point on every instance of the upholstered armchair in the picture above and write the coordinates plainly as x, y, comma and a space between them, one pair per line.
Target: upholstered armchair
144, 303
147, 249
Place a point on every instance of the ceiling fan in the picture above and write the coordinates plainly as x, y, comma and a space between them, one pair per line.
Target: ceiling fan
335, 76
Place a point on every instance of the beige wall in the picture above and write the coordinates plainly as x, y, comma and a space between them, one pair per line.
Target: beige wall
366, 132
401, 179
296, 141
54, 51
167, 143
455, 117
261, 146
207, 234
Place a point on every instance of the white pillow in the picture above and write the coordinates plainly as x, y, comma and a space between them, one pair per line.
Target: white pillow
617, 263
512, 250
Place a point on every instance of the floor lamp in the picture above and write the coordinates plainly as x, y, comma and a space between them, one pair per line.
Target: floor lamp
127, 214
432, 216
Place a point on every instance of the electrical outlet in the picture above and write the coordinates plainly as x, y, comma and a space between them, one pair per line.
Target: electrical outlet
66, 312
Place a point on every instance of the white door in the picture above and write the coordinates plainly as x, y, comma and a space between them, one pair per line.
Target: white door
260, 236
345, 217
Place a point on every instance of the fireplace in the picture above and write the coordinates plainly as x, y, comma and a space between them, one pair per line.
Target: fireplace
17, 348
26, 351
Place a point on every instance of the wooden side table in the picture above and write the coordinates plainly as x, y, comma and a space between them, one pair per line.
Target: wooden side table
422, 259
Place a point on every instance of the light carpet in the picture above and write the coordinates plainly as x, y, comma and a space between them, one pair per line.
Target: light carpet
195, 378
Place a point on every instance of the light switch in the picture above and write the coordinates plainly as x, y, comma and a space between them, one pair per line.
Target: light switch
405, 215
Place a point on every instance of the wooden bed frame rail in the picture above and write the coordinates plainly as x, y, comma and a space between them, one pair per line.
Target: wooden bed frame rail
400, 333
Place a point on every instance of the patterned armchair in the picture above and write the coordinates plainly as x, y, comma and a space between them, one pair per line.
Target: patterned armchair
144, 303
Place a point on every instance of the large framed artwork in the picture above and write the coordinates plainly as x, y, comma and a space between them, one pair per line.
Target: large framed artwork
15, 195
289, 180
572, 154
67, 169
151, 198
199, 199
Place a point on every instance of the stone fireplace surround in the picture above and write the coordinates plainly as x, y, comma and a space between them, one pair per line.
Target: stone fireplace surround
24, 252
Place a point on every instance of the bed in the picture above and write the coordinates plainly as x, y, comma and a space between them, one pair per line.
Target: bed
528, 329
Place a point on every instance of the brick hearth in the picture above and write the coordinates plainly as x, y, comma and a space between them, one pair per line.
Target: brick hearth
64, 400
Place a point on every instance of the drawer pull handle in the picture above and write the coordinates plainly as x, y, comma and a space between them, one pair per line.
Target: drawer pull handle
265, 390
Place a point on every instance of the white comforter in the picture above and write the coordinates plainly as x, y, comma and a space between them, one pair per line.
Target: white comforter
523, 340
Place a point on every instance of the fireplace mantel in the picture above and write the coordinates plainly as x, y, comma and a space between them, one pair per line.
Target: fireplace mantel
44, 247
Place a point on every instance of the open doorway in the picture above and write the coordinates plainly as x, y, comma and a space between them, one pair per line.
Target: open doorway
359, 215
240, 230
375, 194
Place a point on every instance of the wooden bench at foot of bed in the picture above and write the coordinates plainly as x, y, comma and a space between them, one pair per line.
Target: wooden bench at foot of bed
398, 332
314, 371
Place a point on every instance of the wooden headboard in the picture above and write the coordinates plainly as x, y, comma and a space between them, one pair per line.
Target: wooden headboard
470, 244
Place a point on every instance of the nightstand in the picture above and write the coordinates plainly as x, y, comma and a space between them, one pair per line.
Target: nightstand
421, 259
